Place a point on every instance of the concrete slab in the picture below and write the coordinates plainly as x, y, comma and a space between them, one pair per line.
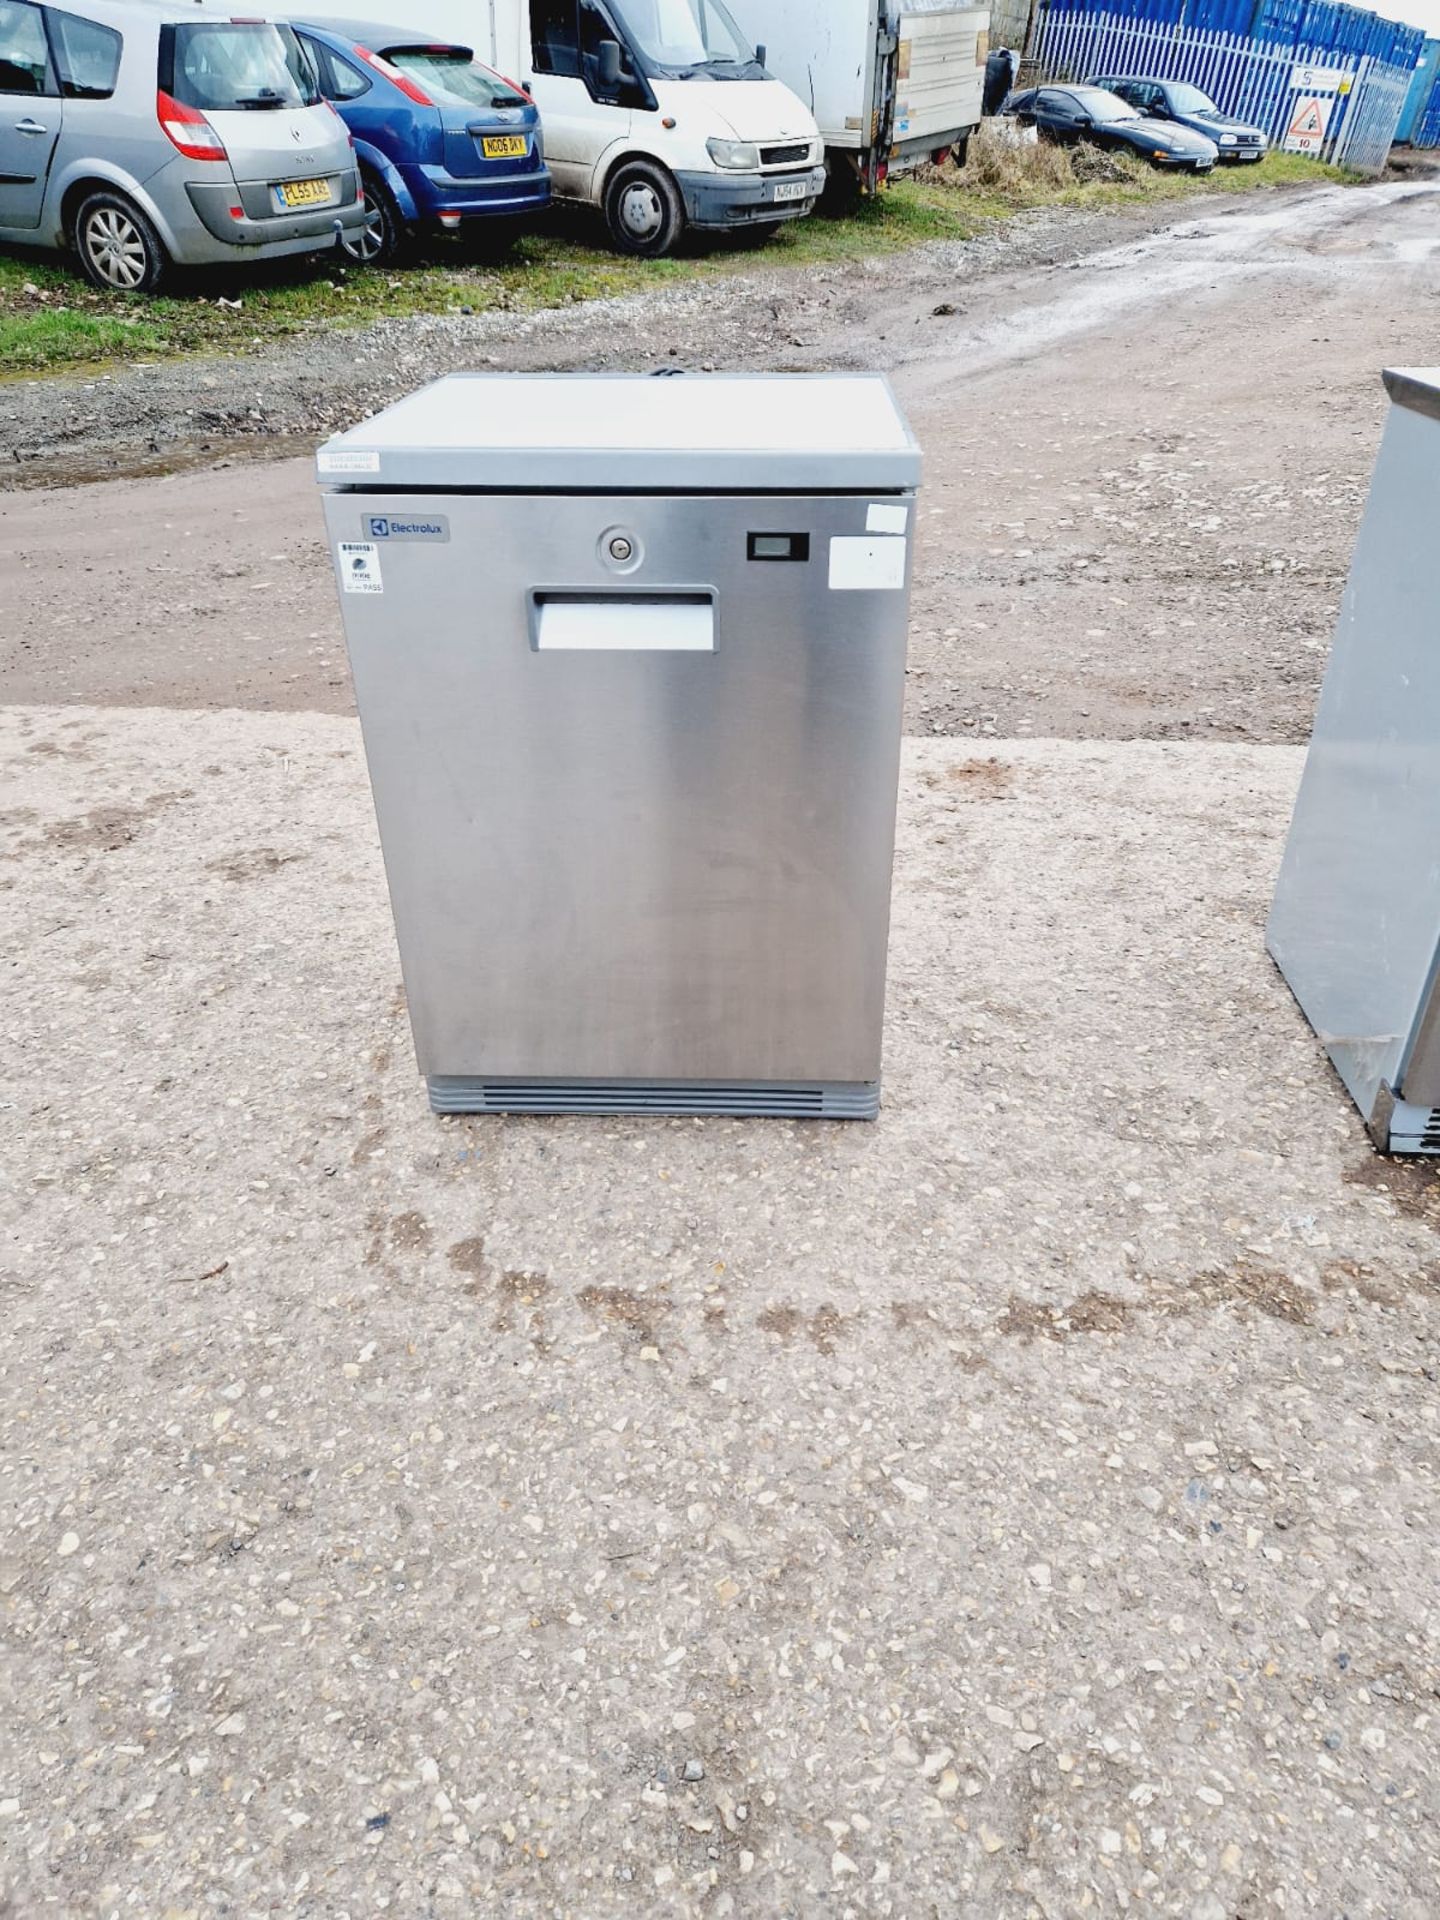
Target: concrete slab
1025, 1505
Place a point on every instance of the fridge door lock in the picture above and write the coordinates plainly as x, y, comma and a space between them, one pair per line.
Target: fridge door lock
621, 549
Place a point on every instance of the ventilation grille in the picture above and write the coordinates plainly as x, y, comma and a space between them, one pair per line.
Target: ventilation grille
784, 156
1430, 1138
857, 1101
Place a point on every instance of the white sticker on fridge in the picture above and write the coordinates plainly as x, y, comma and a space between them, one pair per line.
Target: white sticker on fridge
858, 566
887, 519
360, 567
348, 460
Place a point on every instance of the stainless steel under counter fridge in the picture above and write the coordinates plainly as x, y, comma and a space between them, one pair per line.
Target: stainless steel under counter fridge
629, 654
1355, 927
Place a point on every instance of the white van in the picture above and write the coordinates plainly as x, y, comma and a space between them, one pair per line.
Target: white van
658, 112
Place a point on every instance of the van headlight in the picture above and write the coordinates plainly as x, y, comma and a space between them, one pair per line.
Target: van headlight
740, 156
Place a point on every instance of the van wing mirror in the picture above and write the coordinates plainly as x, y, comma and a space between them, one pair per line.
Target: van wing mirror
608, 62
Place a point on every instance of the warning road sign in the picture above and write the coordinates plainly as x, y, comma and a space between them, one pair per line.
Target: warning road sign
1309, 122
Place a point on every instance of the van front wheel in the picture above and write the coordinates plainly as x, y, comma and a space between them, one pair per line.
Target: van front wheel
643, 210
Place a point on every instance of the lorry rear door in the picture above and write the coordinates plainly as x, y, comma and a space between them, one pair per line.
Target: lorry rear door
940, 78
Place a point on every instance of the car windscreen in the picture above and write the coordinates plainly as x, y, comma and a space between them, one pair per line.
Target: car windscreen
682, 35
1186, 99
235, 66
453, 77
1101, 105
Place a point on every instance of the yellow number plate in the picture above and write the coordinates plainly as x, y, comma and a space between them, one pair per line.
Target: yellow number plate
305, 193
504, 146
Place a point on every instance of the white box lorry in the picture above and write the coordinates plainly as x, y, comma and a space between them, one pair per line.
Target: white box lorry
655, 111
892, 83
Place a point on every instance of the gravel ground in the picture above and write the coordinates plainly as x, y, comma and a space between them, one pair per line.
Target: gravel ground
1025, 1506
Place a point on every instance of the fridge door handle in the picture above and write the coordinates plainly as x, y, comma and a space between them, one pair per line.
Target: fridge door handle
621, 620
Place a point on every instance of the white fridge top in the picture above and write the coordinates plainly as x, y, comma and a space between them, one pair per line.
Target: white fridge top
695, 433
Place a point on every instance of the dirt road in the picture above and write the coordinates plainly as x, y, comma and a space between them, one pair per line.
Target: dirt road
1145, 469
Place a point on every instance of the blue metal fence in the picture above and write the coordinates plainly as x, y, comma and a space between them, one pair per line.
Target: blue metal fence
1326, 26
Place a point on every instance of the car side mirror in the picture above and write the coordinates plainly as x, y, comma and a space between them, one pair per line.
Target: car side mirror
608, 62
1084, 121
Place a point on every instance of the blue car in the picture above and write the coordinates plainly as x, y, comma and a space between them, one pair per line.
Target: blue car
443, 142
1239, 141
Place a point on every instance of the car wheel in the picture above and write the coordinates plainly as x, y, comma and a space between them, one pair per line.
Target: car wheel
643, 210
382, 238
120, 252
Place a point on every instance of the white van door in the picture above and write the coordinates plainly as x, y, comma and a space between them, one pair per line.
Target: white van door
582, 119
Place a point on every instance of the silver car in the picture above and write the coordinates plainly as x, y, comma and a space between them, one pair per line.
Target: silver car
143, 133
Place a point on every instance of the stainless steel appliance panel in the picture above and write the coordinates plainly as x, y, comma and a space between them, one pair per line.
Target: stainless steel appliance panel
632, 863
1355, 925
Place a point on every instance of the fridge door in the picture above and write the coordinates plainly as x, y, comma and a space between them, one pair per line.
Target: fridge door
635, 766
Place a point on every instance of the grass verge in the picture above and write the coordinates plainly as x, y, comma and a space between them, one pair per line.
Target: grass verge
51, 321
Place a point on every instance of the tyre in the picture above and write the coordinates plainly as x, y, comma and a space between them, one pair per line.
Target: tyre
382, 238
643, 210
120, 252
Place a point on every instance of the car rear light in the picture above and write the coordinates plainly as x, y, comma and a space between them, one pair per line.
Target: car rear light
187, 130
237, 213
449, 219
396, 78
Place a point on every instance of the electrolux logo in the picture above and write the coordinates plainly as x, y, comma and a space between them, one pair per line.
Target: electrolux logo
388, 527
